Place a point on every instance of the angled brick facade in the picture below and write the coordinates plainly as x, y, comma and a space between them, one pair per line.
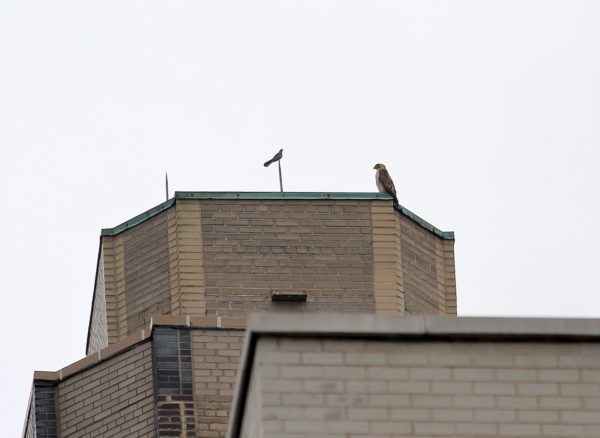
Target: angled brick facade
427, 265
206, 255
146, 273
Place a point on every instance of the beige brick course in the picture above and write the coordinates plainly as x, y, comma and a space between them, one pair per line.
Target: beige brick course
388, 281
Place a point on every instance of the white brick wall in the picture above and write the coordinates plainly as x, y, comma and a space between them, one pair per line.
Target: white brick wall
311, 387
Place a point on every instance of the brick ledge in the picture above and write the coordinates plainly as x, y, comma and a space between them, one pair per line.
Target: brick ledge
144, 335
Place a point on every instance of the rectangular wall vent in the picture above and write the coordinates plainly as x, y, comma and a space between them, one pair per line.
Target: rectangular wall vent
288, 295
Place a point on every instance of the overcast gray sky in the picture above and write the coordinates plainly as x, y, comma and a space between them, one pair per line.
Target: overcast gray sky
485, 112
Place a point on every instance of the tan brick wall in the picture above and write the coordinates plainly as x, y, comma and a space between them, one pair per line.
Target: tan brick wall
413, 267
147, 279
111, 399
134, 273
216, 356
111, 248
427, 271
186, 259
447, 284
252, 247
363, 388
388, 279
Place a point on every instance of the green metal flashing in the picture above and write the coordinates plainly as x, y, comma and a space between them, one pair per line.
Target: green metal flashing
138, 219
281, 195
447, 235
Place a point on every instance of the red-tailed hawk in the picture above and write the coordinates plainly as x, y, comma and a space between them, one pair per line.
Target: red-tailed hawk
277, 157
384, 181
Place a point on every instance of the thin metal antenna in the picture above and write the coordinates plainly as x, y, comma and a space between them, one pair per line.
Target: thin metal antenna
280, 180
167, 185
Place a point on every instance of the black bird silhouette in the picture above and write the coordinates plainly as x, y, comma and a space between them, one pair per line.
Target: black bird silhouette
277, 157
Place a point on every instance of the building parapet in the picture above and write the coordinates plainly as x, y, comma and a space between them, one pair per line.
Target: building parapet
144, 335
447, 235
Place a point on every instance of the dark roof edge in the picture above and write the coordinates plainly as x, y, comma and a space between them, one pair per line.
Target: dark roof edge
137, 219
282, 195
446, 235
476, 328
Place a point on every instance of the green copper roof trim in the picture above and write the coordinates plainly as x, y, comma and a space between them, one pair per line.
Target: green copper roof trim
447, 235
138, 219
281, 195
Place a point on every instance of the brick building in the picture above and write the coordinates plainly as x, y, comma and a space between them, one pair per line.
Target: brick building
175, 285
352, 332
379, 376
